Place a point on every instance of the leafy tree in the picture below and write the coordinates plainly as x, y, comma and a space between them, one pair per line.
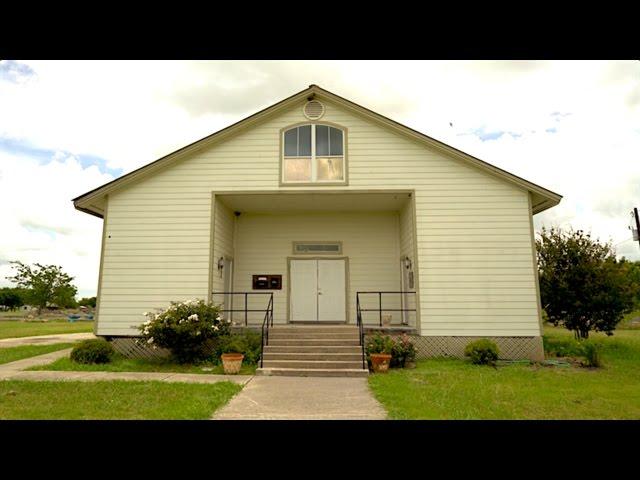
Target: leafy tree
11, 297
633, 272
582, 285
87, 302
46, 284
66, 297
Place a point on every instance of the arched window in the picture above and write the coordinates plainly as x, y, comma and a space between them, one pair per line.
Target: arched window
313, 153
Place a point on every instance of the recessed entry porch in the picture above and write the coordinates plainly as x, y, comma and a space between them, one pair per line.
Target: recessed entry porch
321, 254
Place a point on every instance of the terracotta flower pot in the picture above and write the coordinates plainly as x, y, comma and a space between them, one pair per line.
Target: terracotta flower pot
380, 362
232, 362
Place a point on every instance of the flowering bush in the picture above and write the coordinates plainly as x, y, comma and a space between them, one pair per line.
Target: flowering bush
189, 329
378, 343
403, 351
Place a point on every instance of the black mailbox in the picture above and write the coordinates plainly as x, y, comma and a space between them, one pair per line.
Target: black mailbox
275, 282
260, 282
267, 282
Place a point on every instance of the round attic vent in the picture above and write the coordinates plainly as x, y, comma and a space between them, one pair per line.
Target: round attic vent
313, 110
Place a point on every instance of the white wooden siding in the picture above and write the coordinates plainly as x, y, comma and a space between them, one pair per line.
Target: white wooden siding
407, 248
369, 240
222, 243
473, 233
147, 264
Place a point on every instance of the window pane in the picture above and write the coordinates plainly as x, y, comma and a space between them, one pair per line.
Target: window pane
322, 140
304, 141
291, 143
297, 170
335, 141
330, 169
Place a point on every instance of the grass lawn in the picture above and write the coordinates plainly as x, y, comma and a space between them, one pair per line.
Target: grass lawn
11, 354
625, 323
112, 400
122, 364
455, 389
18, 328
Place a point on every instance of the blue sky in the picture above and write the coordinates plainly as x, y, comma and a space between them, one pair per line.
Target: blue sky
43, 156
67, 127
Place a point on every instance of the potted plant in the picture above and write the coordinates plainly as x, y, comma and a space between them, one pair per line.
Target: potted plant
232, 356
403, 353
379, 350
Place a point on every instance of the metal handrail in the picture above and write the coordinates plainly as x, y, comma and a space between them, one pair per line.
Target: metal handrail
361, 331
246, 298
380, 309
268, 321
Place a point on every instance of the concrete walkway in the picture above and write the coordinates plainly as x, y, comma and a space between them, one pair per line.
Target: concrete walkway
51, 376
33, 361
303, 398
45, 339
262, 398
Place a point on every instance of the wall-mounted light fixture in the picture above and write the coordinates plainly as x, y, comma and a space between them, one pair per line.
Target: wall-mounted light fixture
220, 266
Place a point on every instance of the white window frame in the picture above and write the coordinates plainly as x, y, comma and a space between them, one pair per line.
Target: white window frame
314, 163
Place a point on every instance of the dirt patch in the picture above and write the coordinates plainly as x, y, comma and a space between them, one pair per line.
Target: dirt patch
558, 362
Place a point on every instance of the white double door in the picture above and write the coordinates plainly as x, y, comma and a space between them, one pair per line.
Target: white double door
318, 290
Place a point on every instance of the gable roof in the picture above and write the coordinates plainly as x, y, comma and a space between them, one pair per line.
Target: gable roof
543, 198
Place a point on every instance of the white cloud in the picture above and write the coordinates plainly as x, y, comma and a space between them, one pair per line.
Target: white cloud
573, 127
39, 223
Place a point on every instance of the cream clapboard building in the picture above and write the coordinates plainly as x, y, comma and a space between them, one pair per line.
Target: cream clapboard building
316, 199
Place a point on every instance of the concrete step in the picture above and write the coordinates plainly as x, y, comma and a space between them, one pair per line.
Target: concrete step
345, 357
314, 328
313, 364
314, 341
297, 335
296, 348
313, 372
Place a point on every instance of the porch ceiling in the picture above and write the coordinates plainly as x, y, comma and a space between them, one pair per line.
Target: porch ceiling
315, 202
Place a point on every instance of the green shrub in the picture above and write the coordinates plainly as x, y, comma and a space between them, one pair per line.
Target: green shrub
403, 351
592, 354
92, 351
248, 343
482, 352
561, 347
188, 329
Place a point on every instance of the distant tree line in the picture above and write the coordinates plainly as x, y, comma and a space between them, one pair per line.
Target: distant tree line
13, 298
42, 286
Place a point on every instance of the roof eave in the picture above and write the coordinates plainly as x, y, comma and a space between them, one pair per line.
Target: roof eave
544, 205
87, 210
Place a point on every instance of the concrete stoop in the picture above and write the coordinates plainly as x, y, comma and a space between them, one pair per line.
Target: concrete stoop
313, 351
313, 372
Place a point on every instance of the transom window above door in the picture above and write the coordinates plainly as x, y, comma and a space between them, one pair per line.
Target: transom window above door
313, 153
